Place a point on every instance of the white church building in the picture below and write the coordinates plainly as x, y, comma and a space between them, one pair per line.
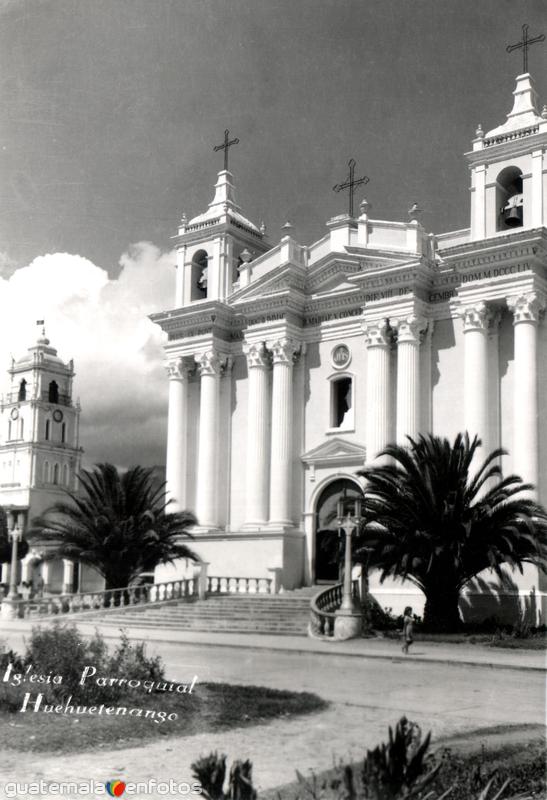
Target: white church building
292, 366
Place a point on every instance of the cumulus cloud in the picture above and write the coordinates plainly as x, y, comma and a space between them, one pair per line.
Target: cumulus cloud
102, 324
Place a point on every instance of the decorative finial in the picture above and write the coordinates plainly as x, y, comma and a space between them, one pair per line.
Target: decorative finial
544, 112
263, 228
414, 212
351, 183
287, 228
184, 220
364, 206
479, 133
43, 338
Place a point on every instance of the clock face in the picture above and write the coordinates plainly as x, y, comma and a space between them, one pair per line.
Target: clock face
14, 413
58, 415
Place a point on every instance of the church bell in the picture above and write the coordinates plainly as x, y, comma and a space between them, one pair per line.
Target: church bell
512, 212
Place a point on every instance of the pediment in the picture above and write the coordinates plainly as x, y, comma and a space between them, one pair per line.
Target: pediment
334, 452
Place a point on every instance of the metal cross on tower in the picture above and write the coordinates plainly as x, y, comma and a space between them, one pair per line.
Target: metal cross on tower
351, 184
226, 144
525, 44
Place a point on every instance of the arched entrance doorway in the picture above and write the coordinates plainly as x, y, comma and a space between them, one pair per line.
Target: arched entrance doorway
326, 568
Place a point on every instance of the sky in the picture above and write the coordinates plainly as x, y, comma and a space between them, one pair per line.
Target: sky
109, 111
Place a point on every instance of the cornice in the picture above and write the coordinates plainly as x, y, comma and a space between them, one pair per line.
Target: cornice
513, 147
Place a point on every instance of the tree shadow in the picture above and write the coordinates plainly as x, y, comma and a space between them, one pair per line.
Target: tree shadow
499, 601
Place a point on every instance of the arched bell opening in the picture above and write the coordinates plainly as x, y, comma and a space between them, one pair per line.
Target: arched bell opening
200, 281
509, 199
327, 547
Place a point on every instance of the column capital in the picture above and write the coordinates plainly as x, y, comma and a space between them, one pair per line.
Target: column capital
285, 351
180, 368
378, 333
257, 355
210, 363
477, 317
410, 329
526, 307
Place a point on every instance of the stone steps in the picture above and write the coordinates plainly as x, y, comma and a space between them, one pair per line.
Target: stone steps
282, 614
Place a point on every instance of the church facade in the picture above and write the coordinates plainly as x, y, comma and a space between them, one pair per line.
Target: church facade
292, 366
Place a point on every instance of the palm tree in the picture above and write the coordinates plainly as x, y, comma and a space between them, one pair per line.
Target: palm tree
434, 521
116, 524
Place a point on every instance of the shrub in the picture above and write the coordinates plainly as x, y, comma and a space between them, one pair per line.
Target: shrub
62, 650
210, 771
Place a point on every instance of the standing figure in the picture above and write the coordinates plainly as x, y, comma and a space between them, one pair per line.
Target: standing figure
408, 627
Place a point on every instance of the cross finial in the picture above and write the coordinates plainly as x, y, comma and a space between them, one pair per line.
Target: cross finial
224, 146
351, 184
525, 44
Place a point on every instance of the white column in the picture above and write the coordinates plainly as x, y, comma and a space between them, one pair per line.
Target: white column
537, 189
409, 332
46, 576
284, 352
378, 341
478, 223
179, 372
68, 575
476, 321
258, 435
210, 367
526, 309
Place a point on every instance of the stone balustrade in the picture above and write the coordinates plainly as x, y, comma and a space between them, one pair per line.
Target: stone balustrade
240, 585
323, 609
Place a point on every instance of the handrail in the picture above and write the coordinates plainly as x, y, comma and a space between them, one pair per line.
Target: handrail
81, 602
235, 585
323, 609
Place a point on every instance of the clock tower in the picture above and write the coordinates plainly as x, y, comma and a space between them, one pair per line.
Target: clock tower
40, 453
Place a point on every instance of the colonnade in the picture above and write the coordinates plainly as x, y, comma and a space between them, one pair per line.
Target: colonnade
269, 452
269, 455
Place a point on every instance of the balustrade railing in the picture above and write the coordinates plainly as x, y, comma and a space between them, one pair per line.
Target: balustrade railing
323, 609
109, 598
217, 585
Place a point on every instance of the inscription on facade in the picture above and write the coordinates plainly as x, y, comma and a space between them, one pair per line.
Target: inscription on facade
457, 279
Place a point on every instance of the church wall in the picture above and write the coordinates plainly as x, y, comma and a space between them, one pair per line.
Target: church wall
447, 367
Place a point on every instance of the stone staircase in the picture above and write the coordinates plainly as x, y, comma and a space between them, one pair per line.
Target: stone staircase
284, 614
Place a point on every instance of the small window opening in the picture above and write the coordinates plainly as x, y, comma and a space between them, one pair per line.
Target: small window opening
22, 429
22, 394
53, 393
56, 474
63, 432
65, 475
46, 471
341, 401
47, 429
9, 430
200, 279
509, 198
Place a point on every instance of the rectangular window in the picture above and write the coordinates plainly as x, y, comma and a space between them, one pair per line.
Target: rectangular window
342, 403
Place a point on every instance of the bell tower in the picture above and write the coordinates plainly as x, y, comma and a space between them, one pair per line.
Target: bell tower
212, 246
39, 431
508, 169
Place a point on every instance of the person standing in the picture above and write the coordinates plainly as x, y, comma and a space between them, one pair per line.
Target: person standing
408, 629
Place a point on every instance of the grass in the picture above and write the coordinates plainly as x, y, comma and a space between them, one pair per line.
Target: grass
211, 707
470, 759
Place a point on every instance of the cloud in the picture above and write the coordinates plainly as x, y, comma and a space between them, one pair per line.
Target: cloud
102, 324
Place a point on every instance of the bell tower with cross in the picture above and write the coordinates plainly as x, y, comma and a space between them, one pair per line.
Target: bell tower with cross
509, 164
212, 246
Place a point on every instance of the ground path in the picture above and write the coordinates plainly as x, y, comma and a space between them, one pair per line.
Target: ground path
367, 694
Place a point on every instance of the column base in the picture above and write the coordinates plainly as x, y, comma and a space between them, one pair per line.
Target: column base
255, 526
67, 588
10, 609
347, 625
282, 525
